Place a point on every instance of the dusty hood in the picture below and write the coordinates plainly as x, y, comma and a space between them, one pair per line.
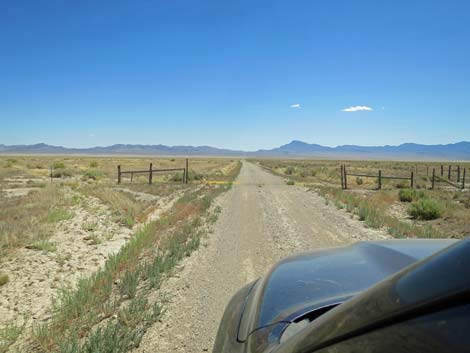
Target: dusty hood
310, 281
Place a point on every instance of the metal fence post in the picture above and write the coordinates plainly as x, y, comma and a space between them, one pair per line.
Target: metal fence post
345, 178
150, 174
187, 171
119, 174
433, 177
448, 175
342, 180
463, 179
380, 179
458, 173
442, 170
412, 180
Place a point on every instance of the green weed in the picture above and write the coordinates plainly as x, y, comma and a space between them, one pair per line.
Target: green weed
4, 279
44, 245
56, 215
425, 209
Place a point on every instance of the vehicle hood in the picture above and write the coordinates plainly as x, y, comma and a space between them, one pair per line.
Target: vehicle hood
310, 281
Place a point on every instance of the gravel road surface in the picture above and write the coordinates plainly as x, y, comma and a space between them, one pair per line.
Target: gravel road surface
263, 220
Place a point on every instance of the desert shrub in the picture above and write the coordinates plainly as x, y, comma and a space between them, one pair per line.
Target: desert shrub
402, 185
93, 174
58, 165
359, 181
362, 213
289, 171
425, 209
61, 173
409, 195
4, 279
466, 202
94, 164
177, 177
290, 182
195, 176
33, 166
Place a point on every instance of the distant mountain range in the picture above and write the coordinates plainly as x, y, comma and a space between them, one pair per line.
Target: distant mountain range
294, 149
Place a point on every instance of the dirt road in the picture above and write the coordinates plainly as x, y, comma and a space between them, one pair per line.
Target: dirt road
262, 221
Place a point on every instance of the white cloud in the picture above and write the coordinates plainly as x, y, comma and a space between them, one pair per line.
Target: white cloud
295, 105
357, 108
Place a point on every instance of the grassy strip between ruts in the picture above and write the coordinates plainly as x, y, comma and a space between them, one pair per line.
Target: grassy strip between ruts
376, 217
111, 310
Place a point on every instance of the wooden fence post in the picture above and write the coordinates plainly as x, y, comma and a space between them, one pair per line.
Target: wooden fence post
345, 177
458, 173
433, 177
463, 179
412, 180
380, 179
342, 180
442, 170
448, 174
150, 174
119, 174
186, 172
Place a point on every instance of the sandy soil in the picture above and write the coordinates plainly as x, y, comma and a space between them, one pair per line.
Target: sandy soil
262, 221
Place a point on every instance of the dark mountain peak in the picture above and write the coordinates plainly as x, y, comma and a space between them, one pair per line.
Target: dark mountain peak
296, 143
301, 148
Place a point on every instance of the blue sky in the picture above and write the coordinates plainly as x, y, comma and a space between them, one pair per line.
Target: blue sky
231, 73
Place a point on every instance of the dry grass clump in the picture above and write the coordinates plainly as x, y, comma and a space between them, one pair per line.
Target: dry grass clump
44, 245
24, 220
124, 206
4, 279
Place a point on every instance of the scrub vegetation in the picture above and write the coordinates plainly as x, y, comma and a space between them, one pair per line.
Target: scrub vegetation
109, 309
405, 212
